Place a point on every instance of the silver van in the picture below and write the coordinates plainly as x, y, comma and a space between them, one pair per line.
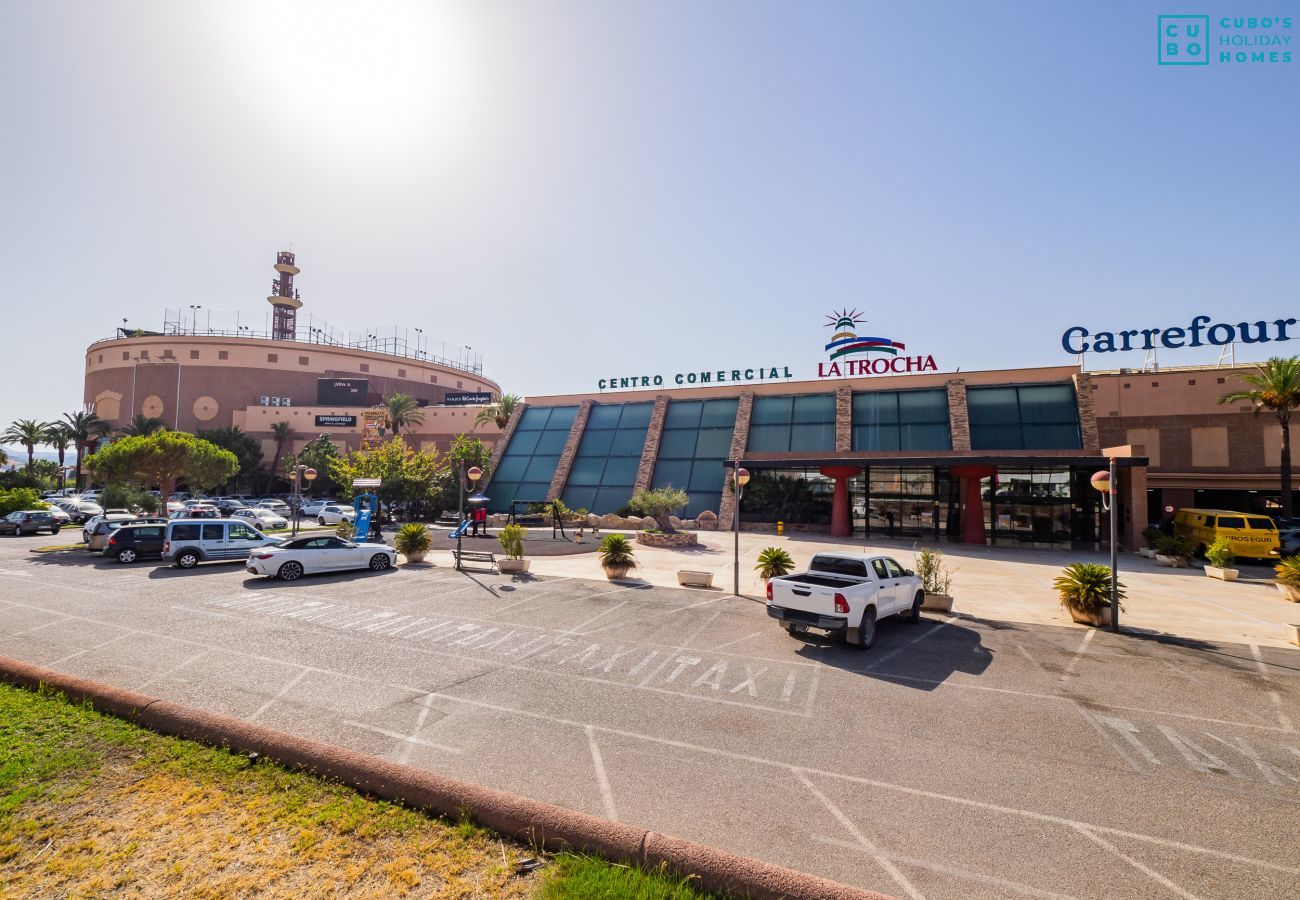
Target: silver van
189, 542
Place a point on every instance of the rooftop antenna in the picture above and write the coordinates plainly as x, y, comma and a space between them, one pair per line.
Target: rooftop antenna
284, 299
1228, 354
1150, 364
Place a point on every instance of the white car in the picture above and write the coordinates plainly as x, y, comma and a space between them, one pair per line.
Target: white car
311, 509
292, 559
175, 506
261, 518
276, 506
333, 514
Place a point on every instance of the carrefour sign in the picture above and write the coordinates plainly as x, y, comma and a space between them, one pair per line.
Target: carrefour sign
1202, 331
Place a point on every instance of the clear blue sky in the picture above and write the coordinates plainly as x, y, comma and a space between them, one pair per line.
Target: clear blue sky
585, 189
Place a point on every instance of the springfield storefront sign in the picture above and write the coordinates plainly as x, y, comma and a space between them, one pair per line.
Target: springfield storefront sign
712, 376
852, 355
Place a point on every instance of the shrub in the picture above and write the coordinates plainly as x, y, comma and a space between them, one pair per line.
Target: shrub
20, 498
935, 578
1220, 554
127, 496
1153, 534
659, 504
1177, 547
412, 538
773, 562
1288, 571
1086, 587
345, 529
616, 554
511, 539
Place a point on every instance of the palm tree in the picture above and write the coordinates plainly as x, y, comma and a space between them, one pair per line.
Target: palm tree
28, 433
282, 432
498, 412
84, 429
4, 457
1276, 388
59, 439
142, 425
402, 410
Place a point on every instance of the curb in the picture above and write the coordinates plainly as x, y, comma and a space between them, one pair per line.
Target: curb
528, 821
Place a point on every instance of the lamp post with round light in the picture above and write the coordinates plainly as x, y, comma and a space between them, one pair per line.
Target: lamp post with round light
298, 474
474, 474
739, 478
1104, 481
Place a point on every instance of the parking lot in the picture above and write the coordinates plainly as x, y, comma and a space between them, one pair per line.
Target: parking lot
961, 757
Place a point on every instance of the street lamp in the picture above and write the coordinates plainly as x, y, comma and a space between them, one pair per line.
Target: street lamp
1104, 481
194, 317
474, 473
307, 474
739, 479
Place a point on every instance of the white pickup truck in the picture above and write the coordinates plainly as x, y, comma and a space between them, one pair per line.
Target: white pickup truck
845, 594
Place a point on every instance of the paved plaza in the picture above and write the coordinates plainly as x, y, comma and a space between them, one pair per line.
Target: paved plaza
997, 751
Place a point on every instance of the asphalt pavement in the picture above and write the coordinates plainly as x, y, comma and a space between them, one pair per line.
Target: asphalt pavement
961, 757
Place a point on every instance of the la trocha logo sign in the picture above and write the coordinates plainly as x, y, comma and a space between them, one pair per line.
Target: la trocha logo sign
851, 355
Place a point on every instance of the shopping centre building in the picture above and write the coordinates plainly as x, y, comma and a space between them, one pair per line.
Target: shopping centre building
880, 442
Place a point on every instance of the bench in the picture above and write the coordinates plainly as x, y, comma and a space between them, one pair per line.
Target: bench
485, 556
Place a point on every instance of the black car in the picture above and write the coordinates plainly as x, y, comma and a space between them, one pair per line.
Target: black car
226, 507
132, 542
29, 521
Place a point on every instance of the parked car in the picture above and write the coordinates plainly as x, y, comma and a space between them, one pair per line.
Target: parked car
188, 542
197, 511
99, 537
275, 506
1289, 539
333, 514
59, 515
1248, 536
135, 541
92, 494
175, 506
228, 505
92, 524
311, 508
292, 559
29, 521
81, 510
260, 518
845, 594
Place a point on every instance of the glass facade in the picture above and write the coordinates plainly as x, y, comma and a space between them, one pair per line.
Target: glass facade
528, 465
1024, 417
785, 424
912, 501
696, 441
604, 469
1046, 506
901, 420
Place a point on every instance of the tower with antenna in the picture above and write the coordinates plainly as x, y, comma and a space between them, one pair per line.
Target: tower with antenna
284, 299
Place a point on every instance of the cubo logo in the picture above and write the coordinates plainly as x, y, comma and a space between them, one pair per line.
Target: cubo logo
846, 342
1183, 40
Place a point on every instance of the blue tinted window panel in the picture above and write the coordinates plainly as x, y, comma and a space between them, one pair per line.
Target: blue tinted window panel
813, 437
993, 406
1048, 403
551, 441
1052, 437
621, 470
677, 444
683, 414
595, 443
875, 437
636, 415
713, 442
702, 500
534, 418
609, 499
769, 438
816, 408
603, 416
923, 406
500, 496
996, 437
533, 491
541, 468
877, 408
706, 476
719, 414
587, 471
522, 443
562, 418
924, 437
510, 469
772, 411
580, 498
675, 472
628, 442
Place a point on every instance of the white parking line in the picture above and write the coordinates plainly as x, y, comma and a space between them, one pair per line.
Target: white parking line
280, 695
602, 779
937, 626
1272, 694
1078, 655
1086, 832
397, 736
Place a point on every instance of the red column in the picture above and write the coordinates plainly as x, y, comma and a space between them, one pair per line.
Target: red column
841, 512
972, 502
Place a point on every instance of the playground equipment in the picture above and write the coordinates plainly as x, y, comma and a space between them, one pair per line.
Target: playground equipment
459, 530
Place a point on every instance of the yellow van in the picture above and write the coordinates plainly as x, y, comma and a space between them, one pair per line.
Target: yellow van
1249, 536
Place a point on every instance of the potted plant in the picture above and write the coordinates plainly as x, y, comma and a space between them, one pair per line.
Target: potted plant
1174, 551
413, 541
511, 538
936, 581
616, 556
773, 562
1220, 558
1153, 536
1288, 578
1084, 589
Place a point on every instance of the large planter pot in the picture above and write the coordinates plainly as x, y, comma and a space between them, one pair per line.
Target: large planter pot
512, 566
1289, 592
690, 578
1099, 620
1147, 552
937, 602
416, 556
1173, 562
1222, 574
613, 572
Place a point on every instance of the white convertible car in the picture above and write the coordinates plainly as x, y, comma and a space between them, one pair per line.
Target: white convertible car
292, 559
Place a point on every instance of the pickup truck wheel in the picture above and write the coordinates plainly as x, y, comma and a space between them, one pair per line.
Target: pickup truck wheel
867, 630
914, 615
